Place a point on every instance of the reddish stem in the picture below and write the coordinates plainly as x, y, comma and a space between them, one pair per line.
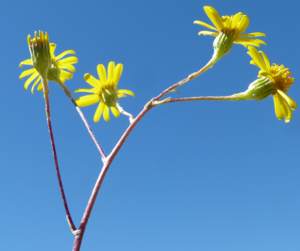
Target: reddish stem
53, 147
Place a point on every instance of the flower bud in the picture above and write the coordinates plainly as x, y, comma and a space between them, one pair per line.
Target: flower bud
40, 52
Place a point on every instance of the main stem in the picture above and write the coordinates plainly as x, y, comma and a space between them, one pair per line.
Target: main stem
53, 147
91, 202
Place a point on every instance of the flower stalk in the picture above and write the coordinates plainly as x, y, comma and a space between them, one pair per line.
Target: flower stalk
189, 78
55, 157
235, 97
85, 122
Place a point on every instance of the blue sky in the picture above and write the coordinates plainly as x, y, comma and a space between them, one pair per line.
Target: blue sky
194, 176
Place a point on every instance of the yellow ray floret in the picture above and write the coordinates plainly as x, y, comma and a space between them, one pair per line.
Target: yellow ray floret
233, 26
104, 91
61, 69
281, 79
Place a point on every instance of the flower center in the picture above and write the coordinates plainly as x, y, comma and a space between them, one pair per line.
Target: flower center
230, 28
230, 32
53, 71
108, 95
281, 76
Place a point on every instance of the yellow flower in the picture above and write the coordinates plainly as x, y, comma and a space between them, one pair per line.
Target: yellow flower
280, 79
228, 30
104, 91
60, 70
62, 67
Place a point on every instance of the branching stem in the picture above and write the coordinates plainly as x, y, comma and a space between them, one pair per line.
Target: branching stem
149, 105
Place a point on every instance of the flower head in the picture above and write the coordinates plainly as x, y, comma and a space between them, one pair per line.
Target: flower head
274, 80
228, 30
60, 68
104, 91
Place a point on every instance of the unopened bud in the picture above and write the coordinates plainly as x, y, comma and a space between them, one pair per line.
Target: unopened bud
40, 52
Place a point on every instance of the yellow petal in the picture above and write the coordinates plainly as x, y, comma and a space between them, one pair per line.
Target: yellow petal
65, 75
208, 33
235, 20
40, 87
292, 103
69, 60
26, 62
101, 72
27, 72
279, 110
115, 111
110, 71
30, 79
206, 25
243, 24
106, 113
87, 100
52, 48
287, 110
91, 80
257, 58
117, 73
253, 34
214, 17
124, 92
266, 60
85, 90
98, 112
38, 80
67, 66
64, 53
249, 42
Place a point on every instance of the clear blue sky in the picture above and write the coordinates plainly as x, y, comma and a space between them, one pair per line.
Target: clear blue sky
194, 176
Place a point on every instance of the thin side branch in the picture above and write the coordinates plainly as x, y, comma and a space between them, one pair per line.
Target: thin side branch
234, 97
188, 79
85, 122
